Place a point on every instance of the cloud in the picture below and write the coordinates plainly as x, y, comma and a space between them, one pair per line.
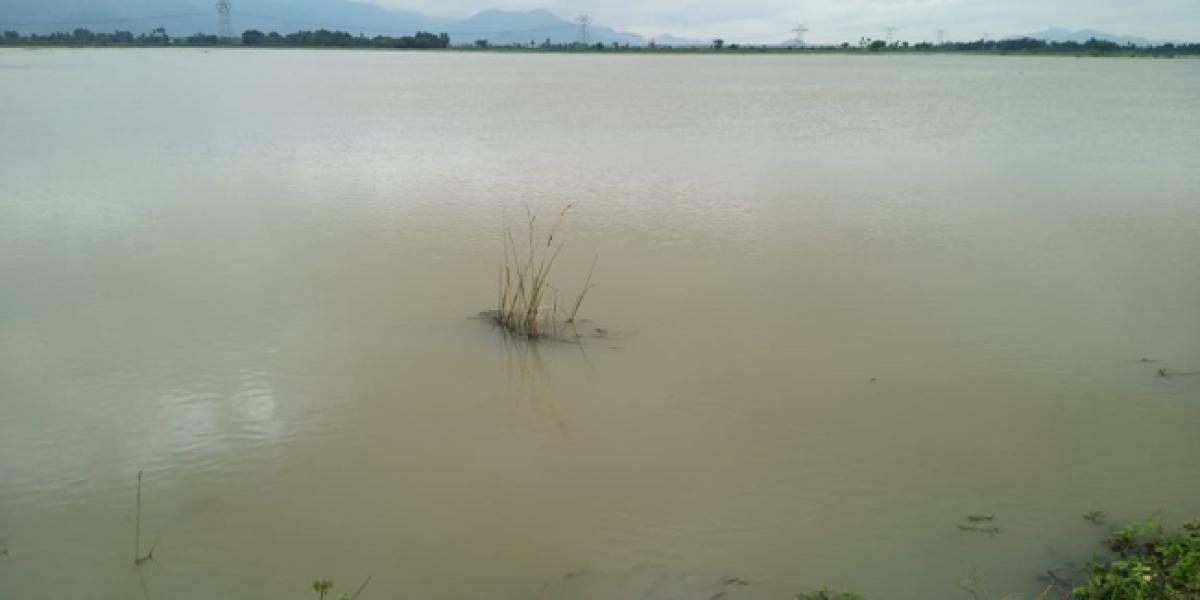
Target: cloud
842, 20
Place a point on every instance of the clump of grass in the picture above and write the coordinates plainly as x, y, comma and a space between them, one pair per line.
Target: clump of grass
527, 303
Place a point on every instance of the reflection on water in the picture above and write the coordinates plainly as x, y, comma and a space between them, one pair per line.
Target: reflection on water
844, 303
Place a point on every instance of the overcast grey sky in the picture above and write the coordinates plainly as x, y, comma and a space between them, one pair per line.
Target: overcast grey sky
842, 20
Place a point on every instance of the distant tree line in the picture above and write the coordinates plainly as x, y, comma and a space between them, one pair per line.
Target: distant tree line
1032, 46
341, 39
84, 37
253, 37
324, 38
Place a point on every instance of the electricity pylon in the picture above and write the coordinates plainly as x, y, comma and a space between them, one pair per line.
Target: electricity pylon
224, 20
800, 30
584, 22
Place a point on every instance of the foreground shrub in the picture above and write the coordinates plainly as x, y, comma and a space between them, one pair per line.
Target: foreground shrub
1151, 564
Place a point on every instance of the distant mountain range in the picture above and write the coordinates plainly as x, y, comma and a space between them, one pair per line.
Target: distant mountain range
185, 17
536, 26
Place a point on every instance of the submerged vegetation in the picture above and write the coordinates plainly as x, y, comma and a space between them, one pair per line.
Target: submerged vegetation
527, 303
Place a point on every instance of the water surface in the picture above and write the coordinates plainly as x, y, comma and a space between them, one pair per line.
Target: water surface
849, 300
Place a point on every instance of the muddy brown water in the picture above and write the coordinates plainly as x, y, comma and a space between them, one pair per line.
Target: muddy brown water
848, 301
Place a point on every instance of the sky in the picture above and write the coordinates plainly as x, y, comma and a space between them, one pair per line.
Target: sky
829, 21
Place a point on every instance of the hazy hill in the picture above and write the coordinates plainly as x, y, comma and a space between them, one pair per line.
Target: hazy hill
509, 27
670, 40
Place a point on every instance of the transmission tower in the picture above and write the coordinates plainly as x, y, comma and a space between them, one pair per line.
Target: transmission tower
891, 33
800, 30
584, 22
941, 37
224, 20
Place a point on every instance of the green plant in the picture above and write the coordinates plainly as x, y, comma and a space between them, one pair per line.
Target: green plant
323, 586
1150, 564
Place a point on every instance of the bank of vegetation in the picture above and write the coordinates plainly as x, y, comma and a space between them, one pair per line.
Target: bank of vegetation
1145, 561
421, 40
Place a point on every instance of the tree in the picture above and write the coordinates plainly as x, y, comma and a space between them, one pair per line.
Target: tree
718, 43
253, 37
877, 45
1101, 45
202, 39
481, 44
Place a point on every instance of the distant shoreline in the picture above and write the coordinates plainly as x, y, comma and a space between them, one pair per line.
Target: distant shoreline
428, 41
665, 51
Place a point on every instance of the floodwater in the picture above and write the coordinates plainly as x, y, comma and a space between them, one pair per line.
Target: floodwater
845, 302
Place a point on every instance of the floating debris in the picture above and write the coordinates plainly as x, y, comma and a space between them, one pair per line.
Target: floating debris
648, 583
976, 529
1055, 580
974, 524
1095, 517
1164, 373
